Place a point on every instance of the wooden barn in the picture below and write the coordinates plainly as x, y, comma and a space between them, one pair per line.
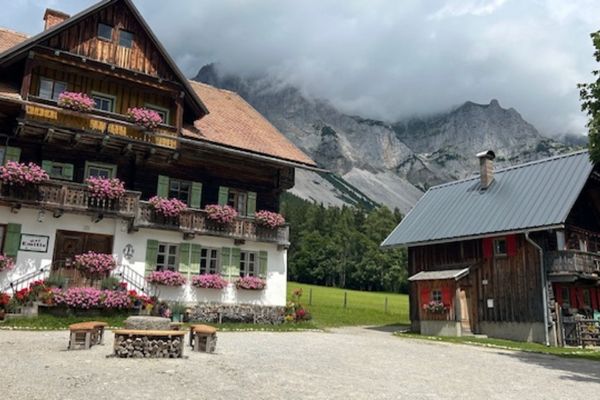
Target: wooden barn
512, 253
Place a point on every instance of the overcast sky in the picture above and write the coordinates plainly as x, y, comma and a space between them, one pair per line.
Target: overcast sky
384, 59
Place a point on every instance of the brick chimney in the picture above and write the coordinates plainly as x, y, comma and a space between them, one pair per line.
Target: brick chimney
54, 17
486, 168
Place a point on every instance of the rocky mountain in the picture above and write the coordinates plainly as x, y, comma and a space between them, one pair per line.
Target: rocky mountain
391, 163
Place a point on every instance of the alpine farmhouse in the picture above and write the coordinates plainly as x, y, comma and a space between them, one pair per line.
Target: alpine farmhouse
211, 148
512, 253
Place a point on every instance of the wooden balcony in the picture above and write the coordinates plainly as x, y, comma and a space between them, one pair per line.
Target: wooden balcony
573, 263
195, 222
100, 122
59, 196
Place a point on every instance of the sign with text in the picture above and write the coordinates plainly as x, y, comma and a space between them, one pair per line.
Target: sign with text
37, 243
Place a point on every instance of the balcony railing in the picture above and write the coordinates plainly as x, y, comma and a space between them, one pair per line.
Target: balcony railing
67, 196
193, 221
573, 262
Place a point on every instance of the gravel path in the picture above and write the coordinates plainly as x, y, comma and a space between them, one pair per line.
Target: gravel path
349, 363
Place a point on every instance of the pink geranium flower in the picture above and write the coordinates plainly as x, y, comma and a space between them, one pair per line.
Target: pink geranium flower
209, 281
103, 188
269, 219
76, 101
167, 207
221, 214
147, 118
14, 173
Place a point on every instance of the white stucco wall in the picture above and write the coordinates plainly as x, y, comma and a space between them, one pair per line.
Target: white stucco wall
26, 262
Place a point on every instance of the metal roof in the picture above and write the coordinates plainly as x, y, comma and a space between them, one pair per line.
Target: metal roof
523, 197
455, 274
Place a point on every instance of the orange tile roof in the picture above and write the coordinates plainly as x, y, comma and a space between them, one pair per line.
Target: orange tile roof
233, 122
10, 38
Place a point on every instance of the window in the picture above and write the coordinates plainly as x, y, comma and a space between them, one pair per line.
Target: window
100, 170
166, 258
238, 200
565, 296
163, 112
58, 170
436, 295
587, 300
104, 102
248, 263
105, 32
209, 261
2, 155
180, 189
125, 39
51, 89
500, 247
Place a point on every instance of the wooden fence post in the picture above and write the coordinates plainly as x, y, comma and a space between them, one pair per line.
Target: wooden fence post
386, 305
310, 297
345, 299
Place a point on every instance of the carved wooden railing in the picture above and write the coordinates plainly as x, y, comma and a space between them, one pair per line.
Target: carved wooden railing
572, 262
194, 221
67, 196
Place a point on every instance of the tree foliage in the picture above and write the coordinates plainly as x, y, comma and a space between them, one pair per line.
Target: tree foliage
590, 103
339, 247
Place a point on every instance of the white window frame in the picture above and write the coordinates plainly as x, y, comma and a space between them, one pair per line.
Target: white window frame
166, 254
158, 109
53, 95
207, 257
105, 96
247, 267
112, 168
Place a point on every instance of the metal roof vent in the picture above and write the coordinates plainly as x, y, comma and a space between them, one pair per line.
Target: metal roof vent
486, 168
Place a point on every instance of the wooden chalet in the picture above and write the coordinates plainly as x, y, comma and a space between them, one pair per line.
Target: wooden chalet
211, 148
512, 253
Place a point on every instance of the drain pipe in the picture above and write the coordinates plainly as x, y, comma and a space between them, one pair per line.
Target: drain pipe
544, 286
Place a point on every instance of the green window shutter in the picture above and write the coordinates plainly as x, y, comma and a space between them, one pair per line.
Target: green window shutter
235, 263
225, 262
12, 154
184, 258
195, 258
251, 209
12, 240
223, 195
47, 166
263, 264
68, 170
196, 195
151, 255
162, 189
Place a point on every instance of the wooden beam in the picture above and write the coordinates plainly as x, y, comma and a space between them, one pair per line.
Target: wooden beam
179, 112
49, 134
26, 83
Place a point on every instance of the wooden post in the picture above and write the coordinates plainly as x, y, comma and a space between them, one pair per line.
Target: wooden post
386, 305
345, 299
310, 297
179, 114
26, 83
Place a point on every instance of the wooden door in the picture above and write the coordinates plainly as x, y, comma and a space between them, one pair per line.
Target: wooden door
69, 244
465, 310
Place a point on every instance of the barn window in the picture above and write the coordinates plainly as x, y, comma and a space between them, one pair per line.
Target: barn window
436, 295
51, 89
104, 102
105, 32
500, 247
125, 39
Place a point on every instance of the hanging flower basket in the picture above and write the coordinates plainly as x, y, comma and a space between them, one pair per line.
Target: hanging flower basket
250, 283
223, 215
19, 174
209, 281
167, 207
76, 101
269, 219
166, 278
435, 307
145, 117
95, 265
6, 263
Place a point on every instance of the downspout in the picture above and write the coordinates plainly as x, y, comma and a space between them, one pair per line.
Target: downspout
544, 286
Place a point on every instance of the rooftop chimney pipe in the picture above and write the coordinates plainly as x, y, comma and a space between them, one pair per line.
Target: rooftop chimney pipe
486, 168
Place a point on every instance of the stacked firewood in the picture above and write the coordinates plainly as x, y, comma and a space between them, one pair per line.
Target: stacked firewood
148, 347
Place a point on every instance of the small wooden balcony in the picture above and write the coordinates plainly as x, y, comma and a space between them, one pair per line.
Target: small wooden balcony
59, 197
195, 222
573, 263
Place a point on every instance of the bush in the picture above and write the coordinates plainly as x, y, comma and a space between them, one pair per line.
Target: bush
56, 281
110, 283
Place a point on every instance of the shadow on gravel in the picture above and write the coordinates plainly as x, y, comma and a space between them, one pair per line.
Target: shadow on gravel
577, 370
389, 328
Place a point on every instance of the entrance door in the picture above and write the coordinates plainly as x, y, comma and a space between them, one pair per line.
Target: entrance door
465, 320
68, 245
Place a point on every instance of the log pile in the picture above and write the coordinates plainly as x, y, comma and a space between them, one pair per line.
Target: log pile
148, 346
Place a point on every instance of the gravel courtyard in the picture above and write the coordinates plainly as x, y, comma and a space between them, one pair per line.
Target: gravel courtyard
349, 363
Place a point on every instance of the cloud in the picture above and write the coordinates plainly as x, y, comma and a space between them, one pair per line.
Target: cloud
384, 59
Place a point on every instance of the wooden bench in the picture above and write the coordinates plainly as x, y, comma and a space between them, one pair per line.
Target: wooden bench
131, 343
82, 335
203, 338
99, 326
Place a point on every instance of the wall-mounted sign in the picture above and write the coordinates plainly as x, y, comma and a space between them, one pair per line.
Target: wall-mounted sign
490, 303
36, 243
128, 252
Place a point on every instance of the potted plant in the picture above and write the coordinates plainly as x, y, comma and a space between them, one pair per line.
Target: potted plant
21, 180
167, 211
177, 311
105, 192
221, 215
145, 117
209, 281
95, 265
269, 219
166, 278
6, 263
250, 283
4, 300
76, 101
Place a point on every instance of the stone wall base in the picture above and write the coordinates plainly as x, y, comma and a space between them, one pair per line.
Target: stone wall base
440, 328
245, 313
519, 331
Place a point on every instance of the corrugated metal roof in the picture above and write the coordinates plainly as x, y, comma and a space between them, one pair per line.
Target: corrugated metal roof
438, 275
526, 196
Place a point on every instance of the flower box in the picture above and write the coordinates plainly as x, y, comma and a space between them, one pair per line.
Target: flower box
105, 189
6, 263
145, 117
209, 281
168, 208
435, 307
95, 265
166, 278
76, 101
269, 219
251, 283
22, 175
221, 214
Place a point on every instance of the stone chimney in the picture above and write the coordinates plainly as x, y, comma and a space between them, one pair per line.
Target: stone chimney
486, 168
54, 17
